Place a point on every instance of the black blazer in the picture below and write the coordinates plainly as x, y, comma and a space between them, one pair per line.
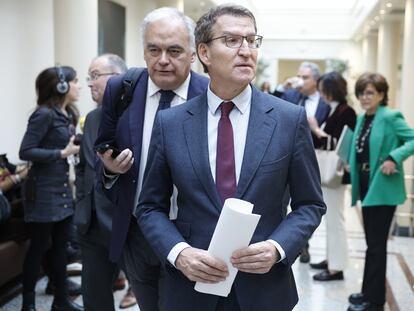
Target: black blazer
322, 111
90, 202
48, 196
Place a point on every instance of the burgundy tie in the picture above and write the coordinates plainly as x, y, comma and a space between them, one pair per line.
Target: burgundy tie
225, 164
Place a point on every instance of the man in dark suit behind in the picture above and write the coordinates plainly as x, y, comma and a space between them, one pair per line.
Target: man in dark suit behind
232, 141
304, 92
169, 50
93, 215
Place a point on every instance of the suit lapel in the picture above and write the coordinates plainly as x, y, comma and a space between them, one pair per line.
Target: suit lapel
260, 130
195, 129
136, 117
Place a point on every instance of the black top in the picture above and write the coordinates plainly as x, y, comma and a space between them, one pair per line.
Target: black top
343, 115
362, 141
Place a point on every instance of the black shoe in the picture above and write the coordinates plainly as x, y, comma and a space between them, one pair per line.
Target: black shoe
327, 276
305, 256
365, 306
74, 289
323, 265
66, 305
356, 298
29, 301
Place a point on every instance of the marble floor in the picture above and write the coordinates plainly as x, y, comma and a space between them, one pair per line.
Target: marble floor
320, 296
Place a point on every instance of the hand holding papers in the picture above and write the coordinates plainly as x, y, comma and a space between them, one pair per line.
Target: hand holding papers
234, 230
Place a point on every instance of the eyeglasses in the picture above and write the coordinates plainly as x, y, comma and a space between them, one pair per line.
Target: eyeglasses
366, 94
95, 75
236, 41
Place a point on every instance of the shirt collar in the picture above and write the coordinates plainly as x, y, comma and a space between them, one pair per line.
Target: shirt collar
241, 101
181, 91
314, 96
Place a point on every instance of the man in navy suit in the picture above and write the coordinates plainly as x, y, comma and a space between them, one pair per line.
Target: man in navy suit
232, 141
169, 50
307, 94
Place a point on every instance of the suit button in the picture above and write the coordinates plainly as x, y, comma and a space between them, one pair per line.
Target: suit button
64, 195
65, 206
134, 181
65, 185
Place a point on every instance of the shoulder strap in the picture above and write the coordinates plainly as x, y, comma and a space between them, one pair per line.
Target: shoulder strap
128, 86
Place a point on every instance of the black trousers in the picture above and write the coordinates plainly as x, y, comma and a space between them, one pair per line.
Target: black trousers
377, 222
98, 272
228, 303
40, 236
143, 269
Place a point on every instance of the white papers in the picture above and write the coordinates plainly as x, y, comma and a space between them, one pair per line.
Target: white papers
344, 145
234, 230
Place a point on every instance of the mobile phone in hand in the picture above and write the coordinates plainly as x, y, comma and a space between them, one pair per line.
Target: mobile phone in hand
103, 148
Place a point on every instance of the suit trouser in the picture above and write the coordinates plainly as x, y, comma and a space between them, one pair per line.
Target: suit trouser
98, 273
143, 269
377, 222
337, 245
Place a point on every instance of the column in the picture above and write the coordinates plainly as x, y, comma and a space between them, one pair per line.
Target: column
76, 40
387, 62
407, 89
26, 34
369, 52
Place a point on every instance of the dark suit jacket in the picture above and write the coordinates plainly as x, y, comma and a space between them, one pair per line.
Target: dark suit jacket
127, 133
322, 111
90, 202
278, 152
47, 193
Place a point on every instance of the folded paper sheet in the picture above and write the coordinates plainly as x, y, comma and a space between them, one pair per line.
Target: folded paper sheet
234, 230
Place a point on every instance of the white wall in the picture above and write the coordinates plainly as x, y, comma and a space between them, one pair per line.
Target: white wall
27, 47
316, 49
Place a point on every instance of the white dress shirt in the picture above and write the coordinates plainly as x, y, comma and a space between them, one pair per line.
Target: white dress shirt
311, 104
151, 106
239, 118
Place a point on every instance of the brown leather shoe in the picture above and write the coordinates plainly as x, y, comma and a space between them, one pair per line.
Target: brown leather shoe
129, 300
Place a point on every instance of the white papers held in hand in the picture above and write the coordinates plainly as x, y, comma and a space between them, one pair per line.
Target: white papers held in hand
234, 230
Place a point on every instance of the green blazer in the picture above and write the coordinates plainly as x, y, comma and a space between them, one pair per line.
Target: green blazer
390, 136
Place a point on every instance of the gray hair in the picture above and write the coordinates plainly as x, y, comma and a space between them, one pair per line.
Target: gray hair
314, 69
115, 63
204, 28
169, 12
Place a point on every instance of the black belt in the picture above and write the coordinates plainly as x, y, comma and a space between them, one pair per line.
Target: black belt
364, 167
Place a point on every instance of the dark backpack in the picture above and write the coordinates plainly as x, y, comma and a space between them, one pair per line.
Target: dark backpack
128, 86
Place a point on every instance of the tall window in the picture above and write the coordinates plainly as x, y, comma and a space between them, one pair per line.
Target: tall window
111, 28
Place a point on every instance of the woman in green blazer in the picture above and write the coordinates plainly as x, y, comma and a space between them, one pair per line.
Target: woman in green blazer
382, 141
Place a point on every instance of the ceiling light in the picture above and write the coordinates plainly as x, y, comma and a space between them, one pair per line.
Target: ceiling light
389, 5
382, 12
377, 18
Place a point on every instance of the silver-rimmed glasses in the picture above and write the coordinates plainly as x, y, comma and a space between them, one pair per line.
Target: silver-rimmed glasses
236, 41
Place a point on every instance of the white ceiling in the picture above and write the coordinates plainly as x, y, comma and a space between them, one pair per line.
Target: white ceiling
311, 19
